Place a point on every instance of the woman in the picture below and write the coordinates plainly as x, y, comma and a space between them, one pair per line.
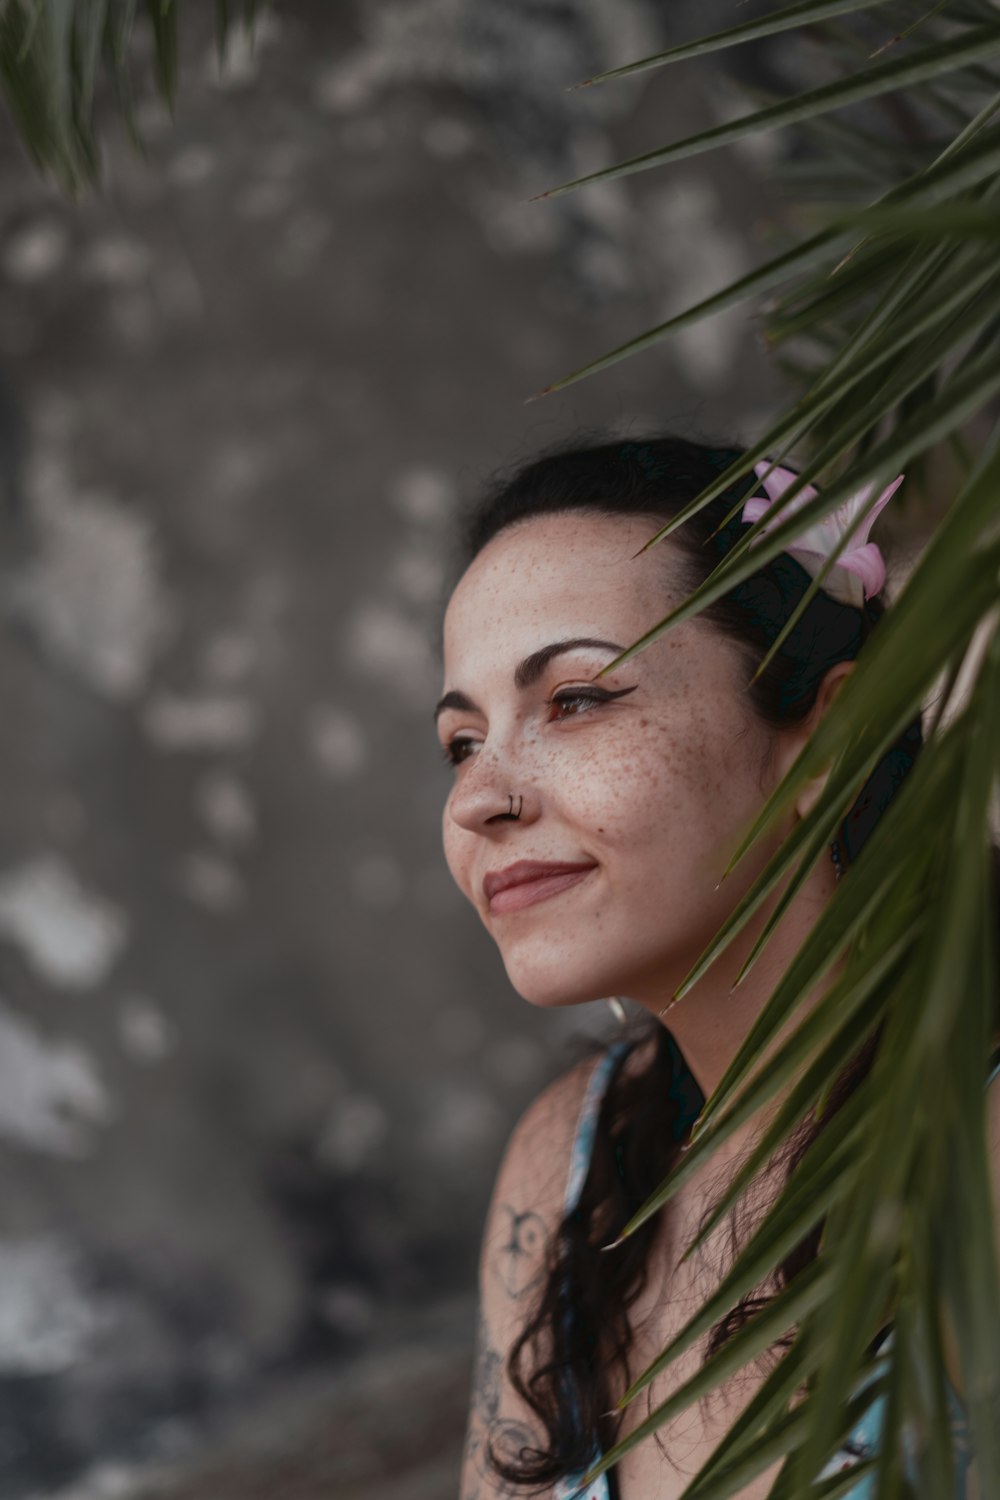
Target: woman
589, 824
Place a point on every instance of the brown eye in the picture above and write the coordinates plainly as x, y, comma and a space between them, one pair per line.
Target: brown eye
453, 752
572, 698
575, 702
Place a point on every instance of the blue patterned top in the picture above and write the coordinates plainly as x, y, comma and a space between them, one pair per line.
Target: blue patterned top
863, 1440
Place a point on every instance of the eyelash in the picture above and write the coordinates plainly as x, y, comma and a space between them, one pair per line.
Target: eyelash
567, 695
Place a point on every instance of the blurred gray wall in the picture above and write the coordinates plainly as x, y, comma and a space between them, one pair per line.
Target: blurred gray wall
257, 1059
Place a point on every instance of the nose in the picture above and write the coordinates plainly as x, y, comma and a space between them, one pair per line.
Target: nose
489, 796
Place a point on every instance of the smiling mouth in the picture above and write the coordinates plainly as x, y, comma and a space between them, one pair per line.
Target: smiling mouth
529, 892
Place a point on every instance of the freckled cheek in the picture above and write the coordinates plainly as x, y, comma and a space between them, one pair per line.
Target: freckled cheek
659, 789
619, 791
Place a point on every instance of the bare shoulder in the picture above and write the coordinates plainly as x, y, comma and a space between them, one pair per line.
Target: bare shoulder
532, 1173
518, 1240
527, 1199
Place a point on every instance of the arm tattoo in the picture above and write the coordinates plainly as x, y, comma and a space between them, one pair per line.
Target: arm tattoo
489, 1372
518, 1265
485, 1424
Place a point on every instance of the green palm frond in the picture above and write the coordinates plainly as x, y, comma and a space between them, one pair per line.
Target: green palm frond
54, 53
888, 308
961, 52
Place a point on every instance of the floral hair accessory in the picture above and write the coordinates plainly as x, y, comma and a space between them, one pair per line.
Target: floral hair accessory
860, 569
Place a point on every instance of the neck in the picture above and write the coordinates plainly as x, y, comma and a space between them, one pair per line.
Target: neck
712, 1020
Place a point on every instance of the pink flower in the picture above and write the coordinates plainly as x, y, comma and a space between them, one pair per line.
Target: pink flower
861, 561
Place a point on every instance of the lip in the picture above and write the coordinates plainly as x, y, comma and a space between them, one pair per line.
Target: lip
529, 880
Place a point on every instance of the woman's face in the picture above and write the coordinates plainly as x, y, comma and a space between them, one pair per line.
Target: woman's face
643, 795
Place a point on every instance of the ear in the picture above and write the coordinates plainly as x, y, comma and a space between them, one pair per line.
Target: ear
809, 793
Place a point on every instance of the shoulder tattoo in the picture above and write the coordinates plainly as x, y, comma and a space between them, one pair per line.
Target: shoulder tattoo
520, 1258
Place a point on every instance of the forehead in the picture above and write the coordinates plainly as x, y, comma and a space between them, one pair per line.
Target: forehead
562, 574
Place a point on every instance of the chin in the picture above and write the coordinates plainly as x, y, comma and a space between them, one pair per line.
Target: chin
550, 986
567, 969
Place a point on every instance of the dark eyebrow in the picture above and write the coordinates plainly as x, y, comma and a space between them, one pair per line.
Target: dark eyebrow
455, 701
527, 673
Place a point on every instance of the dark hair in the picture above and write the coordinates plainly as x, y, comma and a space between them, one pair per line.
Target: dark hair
638, 1137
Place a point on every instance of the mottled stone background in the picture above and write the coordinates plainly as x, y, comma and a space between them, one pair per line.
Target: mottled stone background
257, 1059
